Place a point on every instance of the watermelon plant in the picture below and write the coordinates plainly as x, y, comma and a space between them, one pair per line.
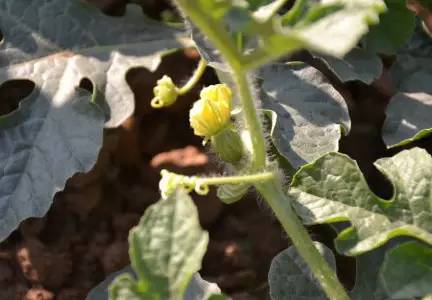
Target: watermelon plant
277, 119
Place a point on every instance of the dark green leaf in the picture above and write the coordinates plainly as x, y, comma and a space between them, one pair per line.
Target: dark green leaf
356, 65
308, 113
57, 130
97, 46
43, 143
290, 277
409, 111
367, 281
407, 271
394, 30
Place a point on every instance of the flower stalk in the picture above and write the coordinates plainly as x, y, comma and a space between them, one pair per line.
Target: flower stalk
166, 92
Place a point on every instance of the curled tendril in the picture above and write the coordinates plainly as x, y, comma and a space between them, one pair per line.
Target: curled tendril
171, 181
156, 103
201, 188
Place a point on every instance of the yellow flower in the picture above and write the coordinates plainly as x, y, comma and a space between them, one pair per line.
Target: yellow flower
211, 113
165, 93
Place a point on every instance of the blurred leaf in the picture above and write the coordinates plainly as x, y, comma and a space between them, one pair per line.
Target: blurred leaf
100, 292
290, 277
166, 249
308, 113
395, 28
323, 28
333, 189
356, 65
409, 111
415, 56
197, 289
407, 271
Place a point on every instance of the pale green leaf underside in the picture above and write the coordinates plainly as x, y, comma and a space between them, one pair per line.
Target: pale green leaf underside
407, 271
308, 113
99, 47
333, 189
356, 65
323, 28
166, 249
290, 278
409, 111
197, 289
337, 33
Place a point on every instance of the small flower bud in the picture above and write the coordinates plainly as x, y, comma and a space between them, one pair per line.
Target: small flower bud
165, 93
228, 145
212, 112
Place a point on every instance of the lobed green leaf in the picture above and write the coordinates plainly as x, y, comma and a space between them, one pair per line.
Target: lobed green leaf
333, 189
57, 130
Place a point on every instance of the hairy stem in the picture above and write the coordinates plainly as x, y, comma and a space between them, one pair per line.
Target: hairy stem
252, 178
283, 210
194, 79
253, 125
271, 190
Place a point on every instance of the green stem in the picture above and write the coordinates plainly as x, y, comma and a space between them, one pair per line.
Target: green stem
251, 120
194, 79
252, 178
294, 14
283, 210
212, 30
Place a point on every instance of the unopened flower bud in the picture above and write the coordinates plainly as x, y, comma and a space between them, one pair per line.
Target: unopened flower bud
228, 145
212, 112
165, 93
